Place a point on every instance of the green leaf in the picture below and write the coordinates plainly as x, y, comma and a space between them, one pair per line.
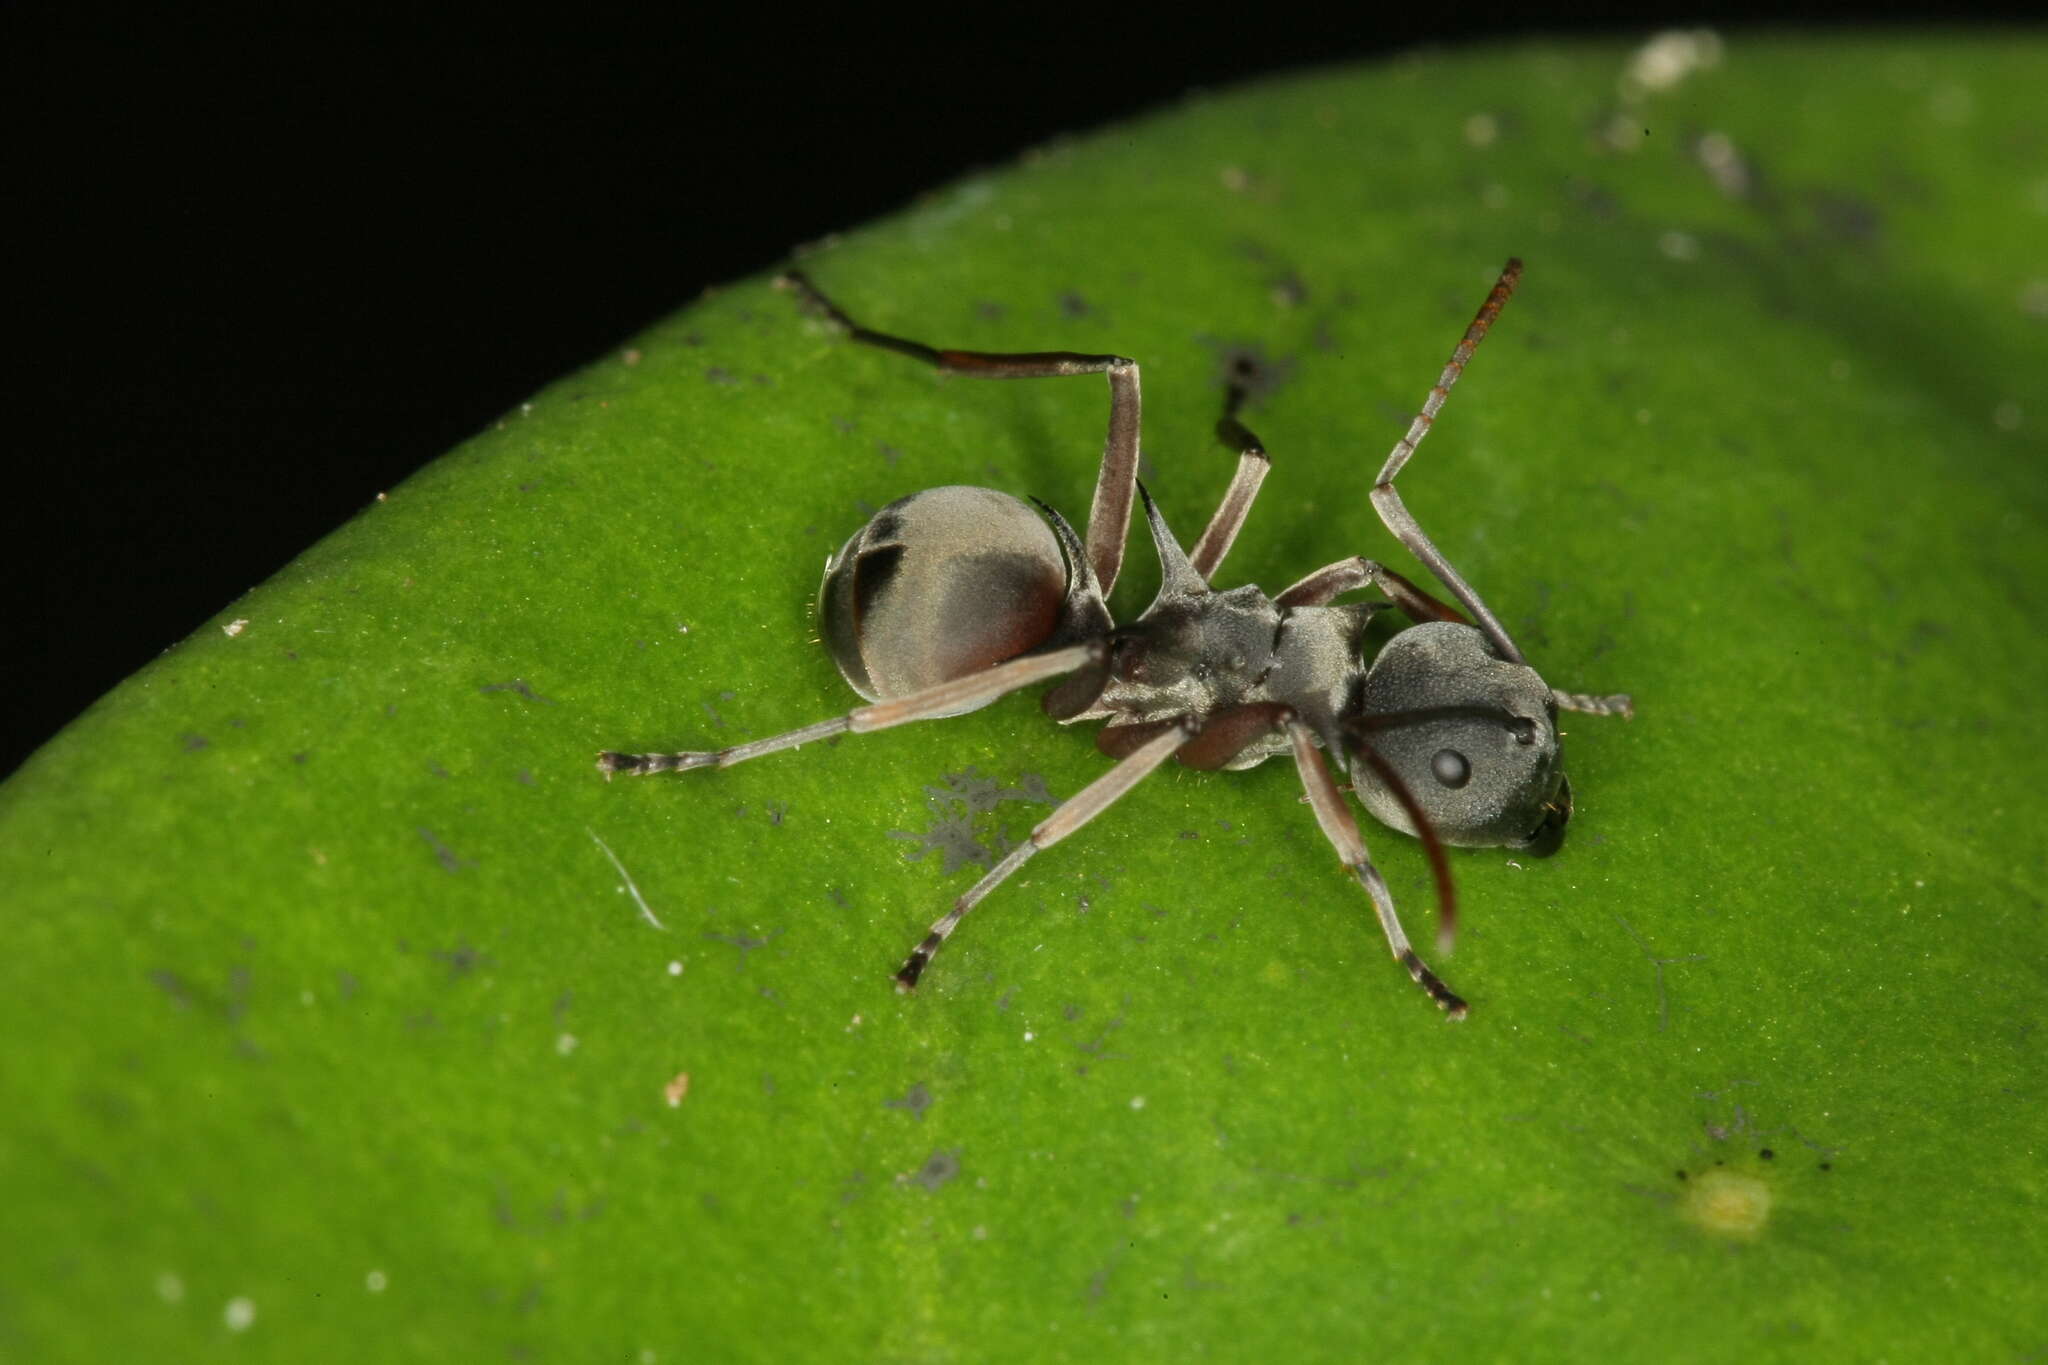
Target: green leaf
337, 1032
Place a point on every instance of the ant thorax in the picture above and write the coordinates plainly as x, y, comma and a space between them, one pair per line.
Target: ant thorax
1233, 656
1239, 661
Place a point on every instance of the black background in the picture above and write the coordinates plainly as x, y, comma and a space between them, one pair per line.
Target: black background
267, 276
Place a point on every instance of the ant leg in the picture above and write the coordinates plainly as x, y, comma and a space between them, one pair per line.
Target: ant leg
1340, 827
930, 703
1252, 465
1349, 575
1109, 516
1388, 503
1084, 806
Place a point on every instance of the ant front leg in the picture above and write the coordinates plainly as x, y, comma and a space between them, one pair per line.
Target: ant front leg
1109, 516
1340, 827
1395, 513
1399, 520
1327, 584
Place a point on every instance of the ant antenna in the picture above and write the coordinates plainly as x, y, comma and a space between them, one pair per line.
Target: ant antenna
1432, 846
1521, 727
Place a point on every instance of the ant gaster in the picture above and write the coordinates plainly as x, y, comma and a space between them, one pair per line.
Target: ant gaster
953, 597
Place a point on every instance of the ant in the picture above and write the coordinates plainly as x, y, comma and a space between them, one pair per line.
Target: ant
953, 597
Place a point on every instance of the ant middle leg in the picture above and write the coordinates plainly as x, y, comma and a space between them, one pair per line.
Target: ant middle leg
1252, 465
1082, 807
1109, 515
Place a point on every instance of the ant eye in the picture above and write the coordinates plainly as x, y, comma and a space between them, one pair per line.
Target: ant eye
1450, 768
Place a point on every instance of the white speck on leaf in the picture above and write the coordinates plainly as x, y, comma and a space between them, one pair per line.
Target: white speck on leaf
1679, 246
1668, 58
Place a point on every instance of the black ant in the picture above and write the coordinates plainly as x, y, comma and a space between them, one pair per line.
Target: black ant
953, 597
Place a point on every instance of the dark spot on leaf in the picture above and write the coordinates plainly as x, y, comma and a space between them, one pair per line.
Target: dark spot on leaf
915, 1100
442, 853
519, 685
462, 959
744, 942
1597, 202
1846, 217
957, 835
173, 985
1289, 290
939, 1168
1246, 366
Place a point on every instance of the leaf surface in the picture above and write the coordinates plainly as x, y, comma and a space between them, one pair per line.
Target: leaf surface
353, 1012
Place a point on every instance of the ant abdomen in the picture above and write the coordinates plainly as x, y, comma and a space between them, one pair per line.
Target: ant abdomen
940, 585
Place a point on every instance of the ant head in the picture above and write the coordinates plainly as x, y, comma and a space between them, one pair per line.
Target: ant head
1471, 736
